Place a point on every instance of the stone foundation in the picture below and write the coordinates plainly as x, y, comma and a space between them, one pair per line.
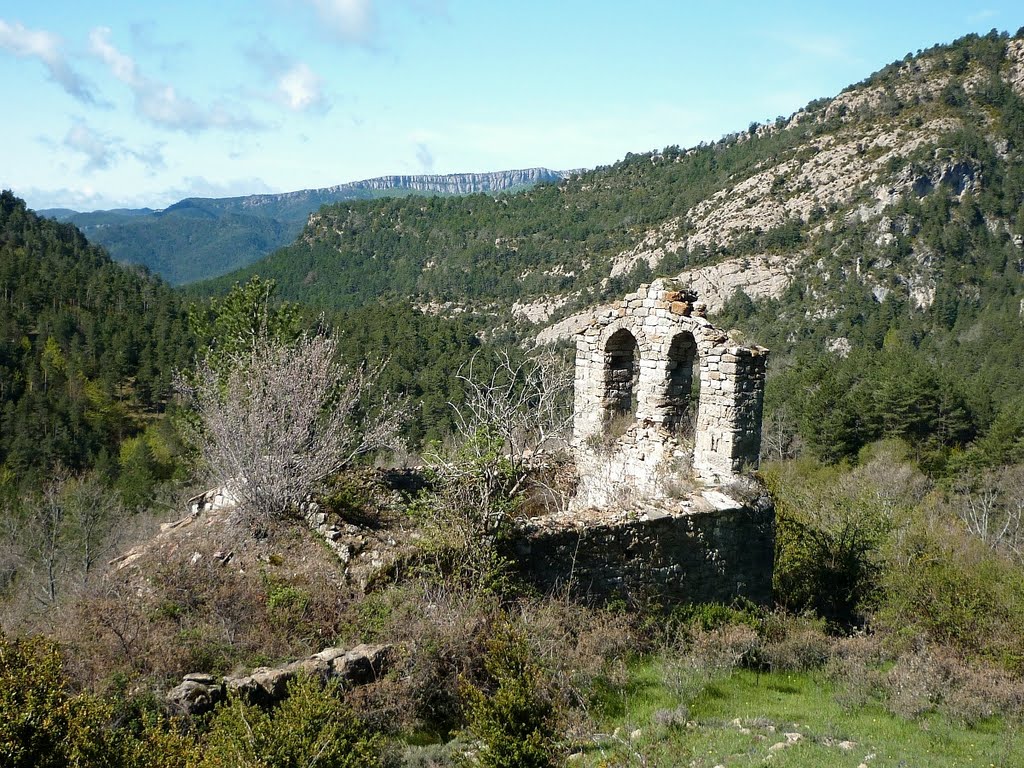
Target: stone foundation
712, 548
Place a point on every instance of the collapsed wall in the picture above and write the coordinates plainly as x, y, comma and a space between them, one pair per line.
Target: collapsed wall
667, 425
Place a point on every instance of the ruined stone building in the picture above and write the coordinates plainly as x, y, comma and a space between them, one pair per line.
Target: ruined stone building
662, 398
667, 422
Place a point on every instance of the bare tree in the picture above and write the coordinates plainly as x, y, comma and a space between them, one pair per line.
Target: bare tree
277, 418
778, 435
97, 515
993, 509
61, 536
46, 537
514, 416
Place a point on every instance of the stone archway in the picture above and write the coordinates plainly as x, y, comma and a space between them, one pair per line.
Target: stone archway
683, 383
621, 374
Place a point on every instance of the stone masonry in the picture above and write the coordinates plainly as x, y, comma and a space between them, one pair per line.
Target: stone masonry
663, 401
667, 417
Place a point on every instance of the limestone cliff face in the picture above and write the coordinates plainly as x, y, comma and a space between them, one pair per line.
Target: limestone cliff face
440, 184
463, 183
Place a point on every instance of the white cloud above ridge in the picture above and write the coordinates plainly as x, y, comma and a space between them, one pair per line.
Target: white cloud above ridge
424, 157
161, 103
86, 197
301, 89
357, 22
982, 15
818, 46
46, 47
296, 86
100, 151
103, 151
353, 21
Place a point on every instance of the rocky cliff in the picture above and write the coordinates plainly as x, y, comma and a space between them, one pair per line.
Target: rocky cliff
198, 238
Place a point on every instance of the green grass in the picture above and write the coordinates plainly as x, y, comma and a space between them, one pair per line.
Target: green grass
736, 720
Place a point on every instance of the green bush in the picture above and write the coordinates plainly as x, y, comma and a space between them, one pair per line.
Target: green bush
953, 590
829, 544
516, 721
42, 724
313, 726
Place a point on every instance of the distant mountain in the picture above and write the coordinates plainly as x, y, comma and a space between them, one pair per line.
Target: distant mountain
858, 185
199, 238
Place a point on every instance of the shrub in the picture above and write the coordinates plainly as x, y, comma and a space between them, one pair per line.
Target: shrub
950, 589
443, 632
853, 668
915, 684
795, 643
724, 648
312, 726
516, 719
42, 724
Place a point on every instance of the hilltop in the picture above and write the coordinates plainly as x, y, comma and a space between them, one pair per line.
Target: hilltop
198, 238
942, 125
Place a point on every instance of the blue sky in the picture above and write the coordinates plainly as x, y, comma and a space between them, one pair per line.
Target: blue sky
124, 104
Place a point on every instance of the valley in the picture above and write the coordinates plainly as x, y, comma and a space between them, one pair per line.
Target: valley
488, 428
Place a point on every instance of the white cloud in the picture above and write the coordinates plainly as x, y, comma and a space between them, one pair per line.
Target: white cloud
300, 88
102, 151
87, 197
354, 21
425, 157
982, 15
357, 22
45, 47
79, 197
161, 103
826, 47
295, 85
200, 186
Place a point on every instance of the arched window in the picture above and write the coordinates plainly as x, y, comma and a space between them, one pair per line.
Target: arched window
683, 381
620, 373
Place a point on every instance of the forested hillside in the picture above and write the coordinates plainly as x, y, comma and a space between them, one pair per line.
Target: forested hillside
872, 240
199, 238
88, 348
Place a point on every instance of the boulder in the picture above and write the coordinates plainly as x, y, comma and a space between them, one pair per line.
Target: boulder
196, 695
199, 692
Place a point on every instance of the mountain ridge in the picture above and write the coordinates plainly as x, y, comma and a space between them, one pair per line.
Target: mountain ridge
238, 230
879, 232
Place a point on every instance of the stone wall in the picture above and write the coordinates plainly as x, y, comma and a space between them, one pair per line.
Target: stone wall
711, 549
662, 395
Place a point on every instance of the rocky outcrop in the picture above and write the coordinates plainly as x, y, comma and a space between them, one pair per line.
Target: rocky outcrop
200, 692
463, 183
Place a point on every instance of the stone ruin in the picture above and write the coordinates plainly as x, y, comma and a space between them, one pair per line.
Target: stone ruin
663, 401
667, 421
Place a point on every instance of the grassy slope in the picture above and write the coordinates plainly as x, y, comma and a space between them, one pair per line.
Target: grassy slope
738, 721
